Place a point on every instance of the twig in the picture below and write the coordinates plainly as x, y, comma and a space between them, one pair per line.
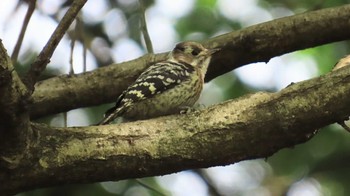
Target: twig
65, 119
84, 54
144, 30
342, 124
149, 187
78, 34
31, 8
43, 58
208, 181
72, 44
79, 29
80, 26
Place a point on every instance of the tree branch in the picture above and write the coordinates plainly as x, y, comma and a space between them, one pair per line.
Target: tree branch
260, 43
44, 56
7, 91
12, 92
14, 118
253, 126
253, 44
143, 26
31, 8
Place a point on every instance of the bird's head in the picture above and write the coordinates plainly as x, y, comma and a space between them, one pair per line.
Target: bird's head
192, 53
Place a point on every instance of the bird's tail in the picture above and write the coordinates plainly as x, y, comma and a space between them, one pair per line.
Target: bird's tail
110, 115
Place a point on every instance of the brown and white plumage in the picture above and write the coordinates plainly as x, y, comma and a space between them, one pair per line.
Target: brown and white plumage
165, 87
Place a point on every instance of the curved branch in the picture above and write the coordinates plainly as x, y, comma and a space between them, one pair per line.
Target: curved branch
257, 43
253, 126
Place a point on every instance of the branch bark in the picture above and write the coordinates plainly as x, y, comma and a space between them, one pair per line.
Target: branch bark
14, 117
254, 44
253, 126
249, 127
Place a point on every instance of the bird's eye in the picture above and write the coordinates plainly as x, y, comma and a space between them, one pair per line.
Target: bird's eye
195, 52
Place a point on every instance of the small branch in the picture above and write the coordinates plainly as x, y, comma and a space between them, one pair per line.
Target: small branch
80, 33
84, 55
71, 66
345, 61
149, 187
213, 191
43, 58
346, 127
144, 29
31, 8
77, 34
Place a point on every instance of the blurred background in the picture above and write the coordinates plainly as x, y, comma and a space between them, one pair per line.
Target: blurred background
110, 31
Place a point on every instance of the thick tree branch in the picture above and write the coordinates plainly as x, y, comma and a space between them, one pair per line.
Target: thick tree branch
12, 92
264, 41
250, 127
14, 118
8, 79
256, 43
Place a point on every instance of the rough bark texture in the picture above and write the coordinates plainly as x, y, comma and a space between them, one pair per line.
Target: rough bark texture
14, 118
258, 43
250, 127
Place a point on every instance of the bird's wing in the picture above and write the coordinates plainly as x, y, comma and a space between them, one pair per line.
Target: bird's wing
157, 79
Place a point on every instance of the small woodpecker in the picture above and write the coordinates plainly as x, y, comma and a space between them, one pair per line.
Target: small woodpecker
165, 87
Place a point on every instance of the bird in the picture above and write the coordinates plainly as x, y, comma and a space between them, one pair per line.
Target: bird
165, 87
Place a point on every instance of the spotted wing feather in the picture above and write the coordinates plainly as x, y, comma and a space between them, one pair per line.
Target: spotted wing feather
157, 79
